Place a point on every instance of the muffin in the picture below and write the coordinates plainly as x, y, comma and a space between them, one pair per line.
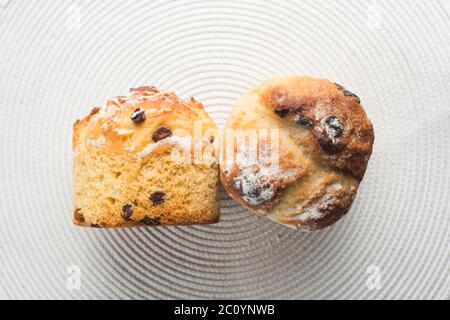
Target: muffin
146, 159
295, 151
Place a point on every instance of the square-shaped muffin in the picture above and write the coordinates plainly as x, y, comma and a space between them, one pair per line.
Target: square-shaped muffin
146, 159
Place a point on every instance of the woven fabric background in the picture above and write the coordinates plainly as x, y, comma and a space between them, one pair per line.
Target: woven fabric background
60, 58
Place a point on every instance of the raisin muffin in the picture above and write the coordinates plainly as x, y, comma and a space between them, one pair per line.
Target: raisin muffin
146, 159
311, 145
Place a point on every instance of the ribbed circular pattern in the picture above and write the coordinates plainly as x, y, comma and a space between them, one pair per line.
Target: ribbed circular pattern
393, 54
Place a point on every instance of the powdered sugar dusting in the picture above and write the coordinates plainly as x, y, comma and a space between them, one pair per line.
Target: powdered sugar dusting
335, 186
183, 142
267, 163
136, 97
98, 142
318, 210
312, 213
149, 149
107, 111
254, 187
124, 132
106, 126
258, 171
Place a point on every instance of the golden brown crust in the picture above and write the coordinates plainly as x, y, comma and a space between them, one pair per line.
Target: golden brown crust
312, 102
125, 173
325, 142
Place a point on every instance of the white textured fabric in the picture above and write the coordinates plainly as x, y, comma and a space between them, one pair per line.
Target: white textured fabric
59, 58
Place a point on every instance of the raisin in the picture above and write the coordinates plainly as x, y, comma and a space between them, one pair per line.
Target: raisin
95, 225
341, 88
127, 212
138, 116
327, 145
122, 100
95, 111
255, 188
143, 89
78, 216
282, 113
331, 129
161, 134
157, 198
303, 121
347, 93
257, 191
151, 221
334, 126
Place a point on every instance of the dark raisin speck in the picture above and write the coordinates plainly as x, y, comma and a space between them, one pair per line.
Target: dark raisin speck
127, 211
161, 134
349, 94
95, 225
138, 116
334, 126
282, 113
95, 110
303, 121
341, 88
329, 145
151, 221
157, 198
78, 216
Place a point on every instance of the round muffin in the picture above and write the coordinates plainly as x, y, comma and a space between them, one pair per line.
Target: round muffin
295, 151
146, 159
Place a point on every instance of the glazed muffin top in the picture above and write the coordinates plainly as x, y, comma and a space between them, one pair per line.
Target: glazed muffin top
135, 124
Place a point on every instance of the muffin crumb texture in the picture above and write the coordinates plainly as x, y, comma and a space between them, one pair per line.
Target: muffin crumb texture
125, 173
